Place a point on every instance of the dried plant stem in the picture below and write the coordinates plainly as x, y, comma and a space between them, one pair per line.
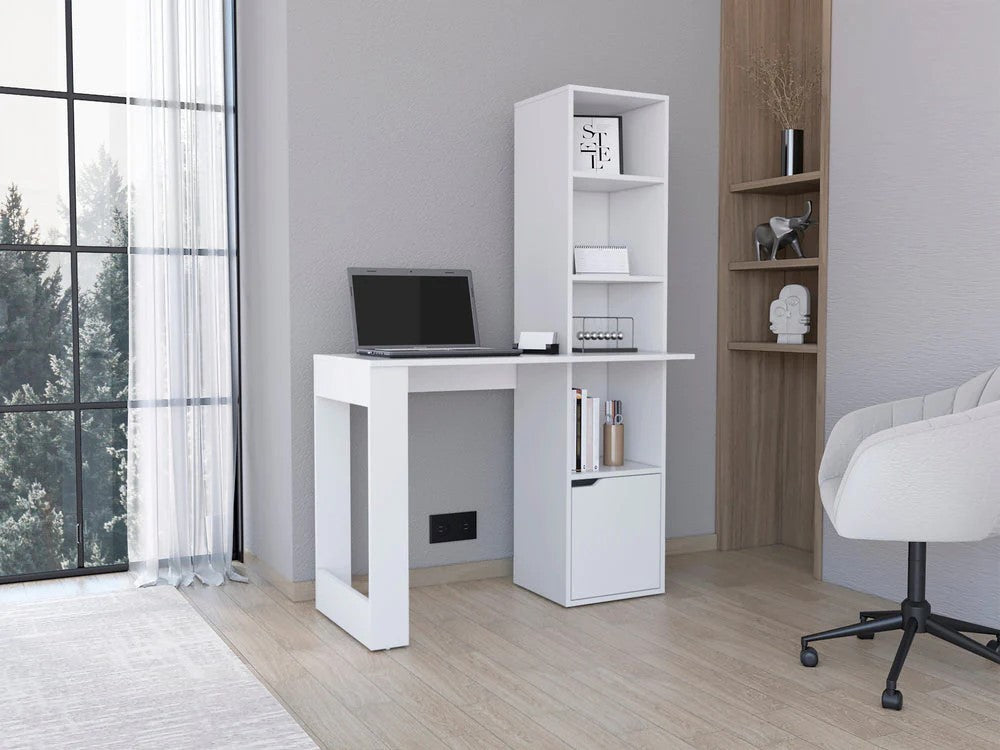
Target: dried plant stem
783, 84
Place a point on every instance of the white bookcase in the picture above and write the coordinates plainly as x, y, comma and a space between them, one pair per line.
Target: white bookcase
602, 540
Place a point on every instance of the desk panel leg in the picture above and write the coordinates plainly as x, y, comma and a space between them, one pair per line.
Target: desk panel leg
332, 442
388, 509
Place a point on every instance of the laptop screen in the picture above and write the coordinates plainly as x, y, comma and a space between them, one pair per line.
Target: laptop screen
413, 310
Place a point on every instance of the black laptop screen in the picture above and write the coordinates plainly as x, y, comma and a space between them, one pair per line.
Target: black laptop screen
413, 310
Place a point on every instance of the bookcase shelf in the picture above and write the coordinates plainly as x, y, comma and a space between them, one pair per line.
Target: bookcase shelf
782, 264
614, 278
558, 527
628, 469
611, 183
769, 346
796, 184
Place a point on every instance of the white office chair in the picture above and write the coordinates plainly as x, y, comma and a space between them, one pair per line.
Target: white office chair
920, 470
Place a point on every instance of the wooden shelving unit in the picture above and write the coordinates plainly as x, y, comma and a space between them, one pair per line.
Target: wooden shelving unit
770, 396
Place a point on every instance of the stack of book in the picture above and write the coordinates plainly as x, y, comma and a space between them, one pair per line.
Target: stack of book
588, 431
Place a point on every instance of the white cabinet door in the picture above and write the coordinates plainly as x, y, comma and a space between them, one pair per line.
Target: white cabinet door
617, 533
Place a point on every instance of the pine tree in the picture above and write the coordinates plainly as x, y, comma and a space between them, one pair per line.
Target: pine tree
14, 227
36, 489
100, 200
104, 346
37, 485
104, 313
34, 306
103, 435
32, 536
35, 448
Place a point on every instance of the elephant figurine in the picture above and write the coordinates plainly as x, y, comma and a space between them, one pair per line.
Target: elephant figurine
781, 231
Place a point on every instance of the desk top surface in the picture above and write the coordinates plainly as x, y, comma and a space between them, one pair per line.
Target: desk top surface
523, 359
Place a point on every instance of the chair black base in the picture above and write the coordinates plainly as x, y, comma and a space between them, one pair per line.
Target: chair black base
914, 616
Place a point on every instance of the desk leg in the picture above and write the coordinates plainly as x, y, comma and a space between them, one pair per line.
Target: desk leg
388, 509
332, 434
380, 620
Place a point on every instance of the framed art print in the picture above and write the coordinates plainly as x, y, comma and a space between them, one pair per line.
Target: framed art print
597, 144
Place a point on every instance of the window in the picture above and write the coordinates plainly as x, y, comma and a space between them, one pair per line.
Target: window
64, 316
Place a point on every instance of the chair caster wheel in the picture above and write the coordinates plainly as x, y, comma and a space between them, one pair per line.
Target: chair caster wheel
866, 636
893, 700
994, 645
809, 657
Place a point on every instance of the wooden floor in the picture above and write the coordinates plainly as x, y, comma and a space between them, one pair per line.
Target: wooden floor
711, 664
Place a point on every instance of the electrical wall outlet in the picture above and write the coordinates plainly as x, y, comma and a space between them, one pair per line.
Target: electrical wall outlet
453, 527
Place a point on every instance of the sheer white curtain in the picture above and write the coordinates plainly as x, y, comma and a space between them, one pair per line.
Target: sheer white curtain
181, 451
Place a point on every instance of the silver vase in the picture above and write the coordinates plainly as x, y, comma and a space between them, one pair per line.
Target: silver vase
791, 151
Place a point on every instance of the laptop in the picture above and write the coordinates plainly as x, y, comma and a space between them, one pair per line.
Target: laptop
408, 312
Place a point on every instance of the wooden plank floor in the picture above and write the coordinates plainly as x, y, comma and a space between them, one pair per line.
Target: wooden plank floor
713, 663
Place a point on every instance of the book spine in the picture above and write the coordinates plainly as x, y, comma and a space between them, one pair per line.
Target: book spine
588, 431
595, 407
578, 405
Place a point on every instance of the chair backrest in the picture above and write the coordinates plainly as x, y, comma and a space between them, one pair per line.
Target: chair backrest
980, 390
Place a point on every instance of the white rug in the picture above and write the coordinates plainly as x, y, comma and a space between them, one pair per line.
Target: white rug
132, 669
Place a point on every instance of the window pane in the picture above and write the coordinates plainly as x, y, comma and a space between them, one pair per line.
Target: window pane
99, 46
37, 493
33, 40
101, 200
105, 540
36, 345
103, 326
34, 171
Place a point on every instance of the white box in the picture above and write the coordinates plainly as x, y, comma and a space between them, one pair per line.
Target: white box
595, 259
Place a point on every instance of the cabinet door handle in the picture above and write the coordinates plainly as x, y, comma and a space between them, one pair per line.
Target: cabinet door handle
585, 482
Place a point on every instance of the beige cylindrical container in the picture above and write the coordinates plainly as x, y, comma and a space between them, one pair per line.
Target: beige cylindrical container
614, 444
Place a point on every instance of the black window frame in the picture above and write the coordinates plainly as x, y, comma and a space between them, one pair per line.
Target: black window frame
73, 249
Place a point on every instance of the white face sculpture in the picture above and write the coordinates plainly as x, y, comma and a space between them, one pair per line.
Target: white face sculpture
790, 314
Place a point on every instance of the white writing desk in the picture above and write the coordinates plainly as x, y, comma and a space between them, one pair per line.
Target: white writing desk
381, 620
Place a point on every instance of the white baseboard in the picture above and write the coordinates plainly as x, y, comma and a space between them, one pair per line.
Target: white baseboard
302, 591
682, 545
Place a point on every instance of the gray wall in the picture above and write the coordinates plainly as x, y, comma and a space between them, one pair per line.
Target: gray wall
914, 238
263, 171
400, 138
